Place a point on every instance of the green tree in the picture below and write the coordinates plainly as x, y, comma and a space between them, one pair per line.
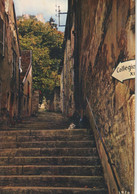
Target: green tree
46, 45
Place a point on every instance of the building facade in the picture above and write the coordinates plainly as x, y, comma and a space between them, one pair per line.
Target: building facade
67, 103
54, 102
15, 69
35, 101
101, 34
26, 83
9, 63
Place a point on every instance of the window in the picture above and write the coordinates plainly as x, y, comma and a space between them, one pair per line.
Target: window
2, 37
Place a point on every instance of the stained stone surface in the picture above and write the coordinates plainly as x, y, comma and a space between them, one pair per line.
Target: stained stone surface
41, 155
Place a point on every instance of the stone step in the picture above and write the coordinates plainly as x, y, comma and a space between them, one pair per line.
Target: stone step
45, 138
39, 126
51, 170
43, 132
51, 160
49, 152
48, 144
38, 156
52, 181
52, 190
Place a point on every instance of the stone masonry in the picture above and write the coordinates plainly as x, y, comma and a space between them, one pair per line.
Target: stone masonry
26, 81
42, 156
15, 79
35, 101
67, 73
9, 63
104, 36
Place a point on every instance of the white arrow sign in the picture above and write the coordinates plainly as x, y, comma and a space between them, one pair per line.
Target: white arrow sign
125, 70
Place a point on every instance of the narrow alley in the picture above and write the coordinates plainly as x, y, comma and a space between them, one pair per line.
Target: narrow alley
42, 155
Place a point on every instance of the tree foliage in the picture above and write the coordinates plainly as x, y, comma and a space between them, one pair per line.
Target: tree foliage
46, 45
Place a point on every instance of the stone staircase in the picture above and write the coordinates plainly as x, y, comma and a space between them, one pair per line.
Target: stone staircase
35, 159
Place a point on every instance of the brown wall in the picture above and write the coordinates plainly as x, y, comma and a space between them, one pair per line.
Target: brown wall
56, 100
35, 101
27, 95
9, 71
26, 79
67, 73
54, 104
104, 36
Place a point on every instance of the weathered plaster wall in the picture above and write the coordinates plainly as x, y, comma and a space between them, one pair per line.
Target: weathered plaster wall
105, 33
27, 95
56, 100
26, 78
35, 101
9, 71
67, 74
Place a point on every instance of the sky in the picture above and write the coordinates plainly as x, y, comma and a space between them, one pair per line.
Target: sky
46, 7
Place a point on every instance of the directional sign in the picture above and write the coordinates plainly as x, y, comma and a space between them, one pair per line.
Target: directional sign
125, 70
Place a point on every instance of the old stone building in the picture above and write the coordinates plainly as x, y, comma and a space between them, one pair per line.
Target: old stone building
67, 71
54, 104
16, 69
9, 63
35, 101
99, 35
26, 82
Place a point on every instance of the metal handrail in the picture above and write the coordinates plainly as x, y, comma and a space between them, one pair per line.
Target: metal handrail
109, 160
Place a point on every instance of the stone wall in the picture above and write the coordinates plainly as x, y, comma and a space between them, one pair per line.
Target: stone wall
27, 95
54, 103
26, 79
9, 63
56, 100
35, 102
67, 73
104, 33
